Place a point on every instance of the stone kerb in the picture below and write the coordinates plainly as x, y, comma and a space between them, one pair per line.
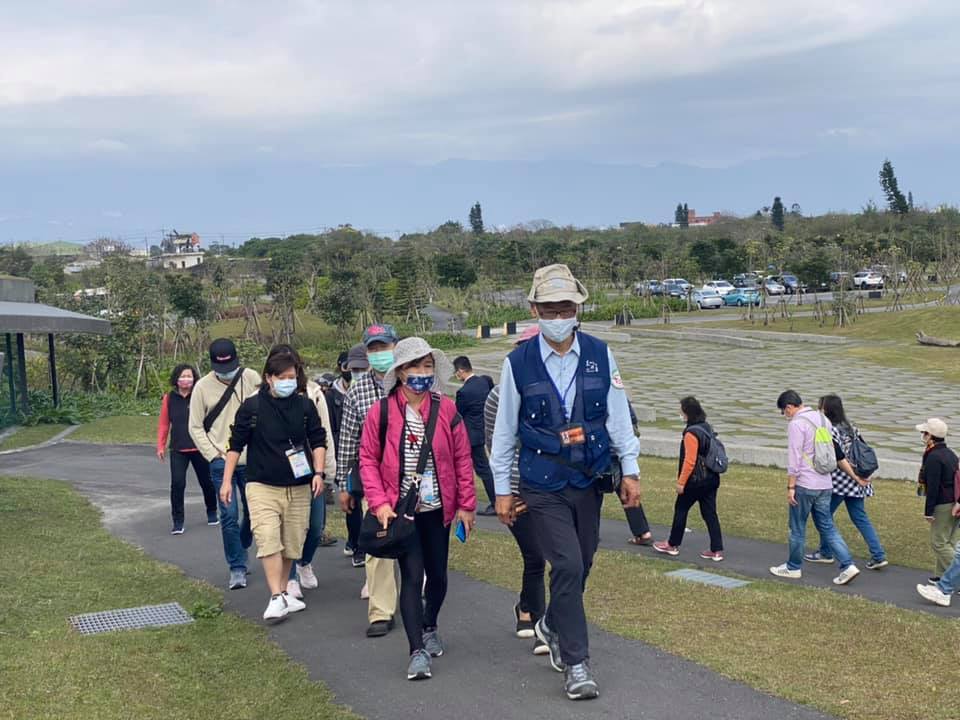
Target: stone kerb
700, 336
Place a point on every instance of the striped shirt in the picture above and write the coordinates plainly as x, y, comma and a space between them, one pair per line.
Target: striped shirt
489, 420
412, 439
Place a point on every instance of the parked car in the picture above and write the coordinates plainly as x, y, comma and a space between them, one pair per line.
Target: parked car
705, 299
649, 287
869, 280
772, 287
742, 296
747, 279
674, 290
791, 284
721, 286
681, 282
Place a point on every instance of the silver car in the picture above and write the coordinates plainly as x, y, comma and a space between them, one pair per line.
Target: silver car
705, 298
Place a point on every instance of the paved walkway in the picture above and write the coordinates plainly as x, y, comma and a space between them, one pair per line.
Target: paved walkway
486, 672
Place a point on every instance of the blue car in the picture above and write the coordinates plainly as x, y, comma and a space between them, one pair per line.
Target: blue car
742, 296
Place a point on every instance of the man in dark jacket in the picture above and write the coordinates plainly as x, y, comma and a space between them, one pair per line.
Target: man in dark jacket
470, 401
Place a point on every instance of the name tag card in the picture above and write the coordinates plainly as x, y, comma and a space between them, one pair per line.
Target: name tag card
297, 457
572, 435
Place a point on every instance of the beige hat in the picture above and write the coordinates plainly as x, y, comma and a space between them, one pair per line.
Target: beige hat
934, 426
414, 348
555, 283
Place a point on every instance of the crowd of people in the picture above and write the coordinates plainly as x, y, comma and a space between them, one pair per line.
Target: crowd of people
383, 439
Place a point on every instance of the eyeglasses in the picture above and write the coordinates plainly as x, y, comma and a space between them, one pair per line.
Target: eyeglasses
564, 314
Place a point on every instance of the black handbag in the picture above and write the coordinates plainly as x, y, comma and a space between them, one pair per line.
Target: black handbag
395, 540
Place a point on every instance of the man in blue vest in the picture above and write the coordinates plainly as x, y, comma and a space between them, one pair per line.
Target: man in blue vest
562, 400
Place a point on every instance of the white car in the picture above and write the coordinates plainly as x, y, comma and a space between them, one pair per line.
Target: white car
868, 280
707, 298
722, 287
772, 287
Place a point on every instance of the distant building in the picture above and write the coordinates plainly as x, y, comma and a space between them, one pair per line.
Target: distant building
181, 251
694, 221
78, 266
91, 292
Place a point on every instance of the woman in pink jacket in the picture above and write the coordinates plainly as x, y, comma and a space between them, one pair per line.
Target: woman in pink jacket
447, 494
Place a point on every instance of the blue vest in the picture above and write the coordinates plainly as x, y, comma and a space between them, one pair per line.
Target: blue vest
542, 417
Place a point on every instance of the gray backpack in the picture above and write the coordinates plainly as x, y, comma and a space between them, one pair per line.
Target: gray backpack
824, 459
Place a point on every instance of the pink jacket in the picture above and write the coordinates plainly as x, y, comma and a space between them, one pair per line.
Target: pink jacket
451, 452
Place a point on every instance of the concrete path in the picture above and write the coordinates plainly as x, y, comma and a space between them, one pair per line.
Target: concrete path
485, 673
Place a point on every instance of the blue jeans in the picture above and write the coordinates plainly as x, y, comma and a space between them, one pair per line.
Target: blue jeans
237, 536
318, 521
856, 509
816, 503
950, 580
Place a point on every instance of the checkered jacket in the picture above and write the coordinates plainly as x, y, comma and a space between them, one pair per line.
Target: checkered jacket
843, 484
361, 396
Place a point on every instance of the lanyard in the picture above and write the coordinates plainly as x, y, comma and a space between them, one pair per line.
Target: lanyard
562, 397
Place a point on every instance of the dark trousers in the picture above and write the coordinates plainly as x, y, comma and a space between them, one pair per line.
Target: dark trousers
354, 520
481, 466
707, 497
179, 461
637, 520
419, 605
531, 591
567, 522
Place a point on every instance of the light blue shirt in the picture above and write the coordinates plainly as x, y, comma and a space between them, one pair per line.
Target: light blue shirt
561, 369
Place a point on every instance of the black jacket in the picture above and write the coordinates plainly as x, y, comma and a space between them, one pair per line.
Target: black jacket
939, 467
334, 400
268, 427
470, 400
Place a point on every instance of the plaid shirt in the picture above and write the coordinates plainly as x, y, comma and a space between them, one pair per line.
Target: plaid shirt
843, 484
361, 396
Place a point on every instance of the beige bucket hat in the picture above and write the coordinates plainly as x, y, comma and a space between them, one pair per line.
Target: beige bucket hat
555, 283
414, 348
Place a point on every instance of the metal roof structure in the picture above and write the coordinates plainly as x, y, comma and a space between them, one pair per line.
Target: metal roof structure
27, 317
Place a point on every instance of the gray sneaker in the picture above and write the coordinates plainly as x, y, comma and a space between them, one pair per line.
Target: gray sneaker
238, 579
419, 667
579, 683
552, 641
431, 643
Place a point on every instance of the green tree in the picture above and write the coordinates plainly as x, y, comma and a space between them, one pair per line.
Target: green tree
896, 202
776, 213
454, 271
476, 219
15, 261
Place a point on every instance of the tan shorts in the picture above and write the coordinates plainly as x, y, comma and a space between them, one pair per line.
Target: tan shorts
279, 517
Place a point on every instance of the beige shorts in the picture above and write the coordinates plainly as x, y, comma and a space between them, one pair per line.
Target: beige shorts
279, 517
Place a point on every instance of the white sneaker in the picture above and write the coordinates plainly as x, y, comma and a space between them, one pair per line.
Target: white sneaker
934, 595
276, 608
294, 604
293, 589
364, 592
308, 580
847, 575
785, 572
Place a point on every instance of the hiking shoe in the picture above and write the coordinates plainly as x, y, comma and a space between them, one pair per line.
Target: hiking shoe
816, 557
524, 627
665, 547
306, 577
294, 604
276, 608
293, 589
540, 647
934, 595
177, 529
359, 559
379, 628
579, 683
431, 643
348, 549
552, 641
327, 541
419, 667
785, 572
711, 555
877, 564
212, 518
238, 579
846, 575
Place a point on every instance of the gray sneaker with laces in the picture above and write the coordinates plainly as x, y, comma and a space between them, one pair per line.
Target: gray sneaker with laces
579, 683
238, 579
431, 643
552, 641
419, 667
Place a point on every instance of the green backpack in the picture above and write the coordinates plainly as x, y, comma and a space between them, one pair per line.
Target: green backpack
824, 456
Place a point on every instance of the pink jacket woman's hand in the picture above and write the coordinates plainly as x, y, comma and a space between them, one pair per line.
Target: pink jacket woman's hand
385, 514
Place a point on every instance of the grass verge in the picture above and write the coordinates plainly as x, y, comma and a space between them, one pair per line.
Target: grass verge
843, 655
56, 561
31, 435
128, 429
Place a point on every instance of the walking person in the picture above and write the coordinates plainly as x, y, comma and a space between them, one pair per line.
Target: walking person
849, 489
287, 448
470, 400
174, 425
941, 591
381, 582
809, 490
352, 363
562, 398
213, 406
414, 387
696, 483
936, 484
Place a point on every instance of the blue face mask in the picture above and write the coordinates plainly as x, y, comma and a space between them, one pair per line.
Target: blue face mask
285, 388
227, 377
419, 383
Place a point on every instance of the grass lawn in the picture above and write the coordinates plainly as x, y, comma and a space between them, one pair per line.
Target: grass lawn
129, 429
55, 561
31, 435
844, 655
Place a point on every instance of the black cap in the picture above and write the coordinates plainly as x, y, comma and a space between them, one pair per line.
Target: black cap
342, 359
223, 355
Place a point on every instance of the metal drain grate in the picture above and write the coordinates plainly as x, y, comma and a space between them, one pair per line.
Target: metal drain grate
707, 578
136, 618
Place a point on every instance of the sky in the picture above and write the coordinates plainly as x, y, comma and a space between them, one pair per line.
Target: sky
237, 118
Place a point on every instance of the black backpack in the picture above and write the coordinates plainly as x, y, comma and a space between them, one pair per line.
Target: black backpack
714, 458
862, 457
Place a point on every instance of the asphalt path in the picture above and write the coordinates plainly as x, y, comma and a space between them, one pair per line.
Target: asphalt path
485, 673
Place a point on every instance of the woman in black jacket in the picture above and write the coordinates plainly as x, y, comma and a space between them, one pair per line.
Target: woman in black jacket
936, 481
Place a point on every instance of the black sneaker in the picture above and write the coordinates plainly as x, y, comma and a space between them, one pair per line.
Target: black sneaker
876, 564
212, 518
359, 559
379, 628
552, 641
524, 627
177, 529
579, 683
933, 580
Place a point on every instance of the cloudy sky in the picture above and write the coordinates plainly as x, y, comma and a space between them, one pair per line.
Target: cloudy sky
256, 118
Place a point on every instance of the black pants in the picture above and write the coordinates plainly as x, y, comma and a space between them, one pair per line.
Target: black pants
481, 466
178, 482
567, 522
707, 497
637, 520
419, 606
531, 591
354, 520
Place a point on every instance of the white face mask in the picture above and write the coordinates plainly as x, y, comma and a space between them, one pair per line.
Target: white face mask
557, 330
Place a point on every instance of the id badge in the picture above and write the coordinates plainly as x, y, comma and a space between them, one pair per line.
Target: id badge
297, 457
572, 435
